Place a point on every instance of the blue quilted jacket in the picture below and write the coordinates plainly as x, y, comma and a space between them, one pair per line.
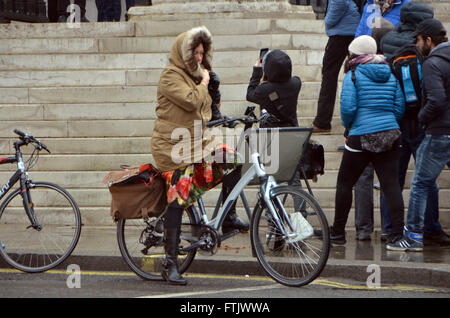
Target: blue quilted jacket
375, 103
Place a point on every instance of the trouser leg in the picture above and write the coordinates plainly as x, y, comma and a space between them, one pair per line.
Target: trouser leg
335, 53
364, 202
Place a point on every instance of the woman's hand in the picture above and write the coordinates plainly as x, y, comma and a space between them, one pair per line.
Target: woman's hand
258, 62
205, 77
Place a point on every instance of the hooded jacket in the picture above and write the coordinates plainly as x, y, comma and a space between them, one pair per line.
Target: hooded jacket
374, 103
181, 100
393, 16
411, 15
435, 114
279, 94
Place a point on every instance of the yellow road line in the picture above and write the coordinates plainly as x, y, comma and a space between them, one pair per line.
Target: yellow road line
320, 282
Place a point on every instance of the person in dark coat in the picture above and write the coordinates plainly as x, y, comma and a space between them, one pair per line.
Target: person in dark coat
278, 95
411, 15
434, 151
341, 21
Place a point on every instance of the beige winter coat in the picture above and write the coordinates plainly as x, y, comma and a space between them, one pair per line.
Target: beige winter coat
181, 101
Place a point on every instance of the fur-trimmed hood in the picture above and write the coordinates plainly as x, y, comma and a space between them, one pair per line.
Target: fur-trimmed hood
182, 53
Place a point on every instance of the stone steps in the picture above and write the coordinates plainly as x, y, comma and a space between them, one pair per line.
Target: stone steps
75, 179
159, 44
110, 61
100, 77
89, 93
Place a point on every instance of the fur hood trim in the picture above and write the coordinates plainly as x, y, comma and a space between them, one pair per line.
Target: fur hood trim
182, 54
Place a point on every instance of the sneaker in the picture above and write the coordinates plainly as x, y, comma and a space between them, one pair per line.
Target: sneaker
363, 236
403, 243
441, 239
384, 237
416, 237
317, 130
338, 239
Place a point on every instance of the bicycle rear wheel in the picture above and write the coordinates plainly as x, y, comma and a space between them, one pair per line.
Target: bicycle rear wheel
31, 250
141, 245
298, 259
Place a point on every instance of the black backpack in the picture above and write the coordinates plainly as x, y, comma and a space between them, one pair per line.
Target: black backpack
406, 65
360, 5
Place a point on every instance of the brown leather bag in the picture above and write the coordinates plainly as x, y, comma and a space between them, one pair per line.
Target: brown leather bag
136, 192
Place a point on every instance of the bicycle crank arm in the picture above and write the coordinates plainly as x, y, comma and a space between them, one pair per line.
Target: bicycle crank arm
198, 244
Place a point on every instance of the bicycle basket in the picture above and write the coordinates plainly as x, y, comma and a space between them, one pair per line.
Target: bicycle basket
280, 150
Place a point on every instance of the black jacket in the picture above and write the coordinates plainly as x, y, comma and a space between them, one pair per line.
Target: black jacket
411, 15
435, 114
279, 94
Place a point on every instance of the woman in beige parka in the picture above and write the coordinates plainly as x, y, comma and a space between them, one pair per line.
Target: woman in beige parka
186, 102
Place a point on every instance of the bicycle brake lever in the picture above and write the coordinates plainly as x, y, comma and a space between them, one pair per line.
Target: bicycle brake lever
231, 124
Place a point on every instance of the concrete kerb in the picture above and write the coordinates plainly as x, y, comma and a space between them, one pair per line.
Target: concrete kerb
432, 275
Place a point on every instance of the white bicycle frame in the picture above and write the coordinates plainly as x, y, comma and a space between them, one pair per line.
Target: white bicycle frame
267, 184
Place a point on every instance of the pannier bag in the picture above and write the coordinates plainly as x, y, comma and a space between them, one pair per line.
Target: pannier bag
313, 161
136, 193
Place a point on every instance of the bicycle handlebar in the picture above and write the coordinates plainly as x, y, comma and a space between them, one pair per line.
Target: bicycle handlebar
248, 120
30, 139
229, 121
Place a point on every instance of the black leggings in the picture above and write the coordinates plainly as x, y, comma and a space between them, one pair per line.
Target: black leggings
386, 168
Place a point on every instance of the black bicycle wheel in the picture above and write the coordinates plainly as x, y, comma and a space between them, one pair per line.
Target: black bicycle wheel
141, 245
31, 250
298, 258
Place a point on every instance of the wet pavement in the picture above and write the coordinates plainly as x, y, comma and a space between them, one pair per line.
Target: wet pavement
97, 250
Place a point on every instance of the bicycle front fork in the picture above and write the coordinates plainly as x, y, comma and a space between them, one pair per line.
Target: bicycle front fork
278, 213
28, 204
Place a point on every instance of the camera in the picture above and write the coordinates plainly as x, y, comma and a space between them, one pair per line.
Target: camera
263, 52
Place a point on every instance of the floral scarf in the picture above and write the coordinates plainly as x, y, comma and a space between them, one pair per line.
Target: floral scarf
185, 185
385, 5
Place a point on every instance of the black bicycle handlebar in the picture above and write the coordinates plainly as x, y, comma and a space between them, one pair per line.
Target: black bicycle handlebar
28, 138
228, 121
20, 133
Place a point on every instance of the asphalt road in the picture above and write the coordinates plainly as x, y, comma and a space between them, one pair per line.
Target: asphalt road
222, 288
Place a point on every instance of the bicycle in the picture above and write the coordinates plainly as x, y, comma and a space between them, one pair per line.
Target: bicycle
282, 225
47, 233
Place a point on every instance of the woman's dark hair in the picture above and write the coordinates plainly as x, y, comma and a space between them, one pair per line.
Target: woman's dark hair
202, 38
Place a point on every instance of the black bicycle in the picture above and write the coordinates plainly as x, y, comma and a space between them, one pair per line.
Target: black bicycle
47, 233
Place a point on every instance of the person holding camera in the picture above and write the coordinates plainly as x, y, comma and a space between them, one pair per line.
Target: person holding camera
278, 95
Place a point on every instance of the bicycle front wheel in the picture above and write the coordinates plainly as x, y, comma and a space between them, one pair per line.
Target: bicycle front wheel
37, 250
141, 245
297, 258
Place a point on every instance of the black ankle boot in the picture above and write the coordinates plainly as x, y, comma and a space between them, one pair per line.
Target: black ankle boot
170, 271
233, 222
